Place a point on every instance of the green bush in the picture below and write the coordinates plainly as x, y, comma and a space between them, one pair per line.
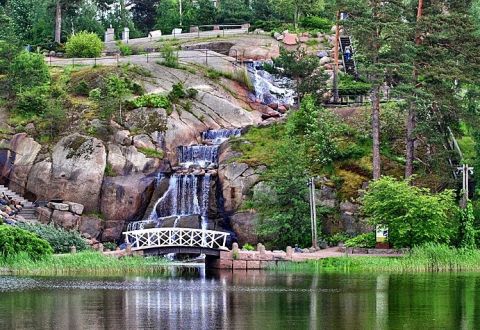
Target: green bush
60, 239
125, 50
33, 101
170, 59
7, 54
84, 44
151, 101
248, 247
14, 240
367, 240
414, 215
349, 86
177, 92
28, 70
316, 23
337, 238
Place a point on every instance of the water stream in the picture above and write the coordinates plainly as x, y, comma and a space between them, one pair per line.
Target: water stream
270, 88
188, 194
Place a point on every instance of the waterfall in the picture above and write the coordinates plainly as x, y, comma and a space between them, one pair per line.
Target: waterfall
199, 155
218, 136
187, 194
270, 88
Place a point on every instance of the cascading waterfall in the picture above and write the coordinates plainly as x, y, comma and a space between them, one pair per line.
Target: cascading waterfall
198, 155
270, 88
218, 136
188, 193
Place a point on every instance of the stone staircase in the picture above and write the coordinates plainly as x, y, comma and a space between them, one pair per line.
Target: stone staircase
349, 65
28, 210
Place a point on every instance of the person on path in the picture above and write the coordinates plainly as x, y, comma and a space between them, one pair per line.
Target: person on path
348, 53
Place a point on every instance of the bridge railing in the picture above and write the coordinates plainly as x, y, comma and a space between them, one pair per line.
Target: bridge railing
176, 237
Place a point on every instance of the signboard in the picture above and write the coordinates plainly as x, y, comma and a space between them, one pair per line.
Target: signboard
381, 233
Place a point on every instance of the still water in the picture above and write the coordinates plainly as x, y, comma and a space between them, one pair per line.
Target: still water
253, 300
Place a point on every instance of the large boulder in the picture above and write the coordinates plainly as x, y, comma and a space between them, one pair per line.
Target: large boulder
128, 160
75, 172
21, 152
90, 226
65, 219
124, 198
260, 52
243, 224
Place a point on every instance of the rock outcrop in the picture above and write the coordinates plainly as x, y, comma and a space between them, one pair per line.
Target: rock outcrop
75, 172
124, 198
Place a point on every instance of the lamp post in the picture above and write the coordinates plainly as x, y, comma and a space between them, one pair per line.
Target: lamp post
313, 212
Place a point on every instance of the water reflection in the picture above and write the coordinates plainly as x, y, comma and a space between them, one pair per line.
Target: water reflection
253, 300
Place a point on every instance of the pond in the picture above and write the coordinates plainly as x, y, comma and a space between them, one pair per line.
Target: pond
243, 300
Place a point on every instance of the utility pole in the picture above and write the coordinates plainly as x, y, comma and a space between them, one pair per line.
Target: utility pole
313, 212
466, 170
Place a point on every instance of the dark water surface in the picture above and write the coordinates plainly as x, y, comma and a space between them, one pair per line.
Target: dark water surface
253, 300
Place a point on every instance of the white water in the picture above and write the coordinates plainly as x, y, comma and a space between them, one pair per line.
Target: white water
270, 88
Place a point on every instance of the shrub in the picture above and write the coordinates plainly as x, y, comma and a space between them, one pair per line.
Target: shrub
14, 240
28, 70
60, 239
7, 54
125, 50
337, 238
170, 59
84, 44
110, 246
33, 101
151, 101
248, 247
177, 92
316, 23
349, 86
367, 240
414, 215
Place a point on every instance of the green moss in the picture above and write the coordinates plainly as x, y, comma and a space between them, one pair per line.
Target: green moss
259, 145
109, 171
151, 153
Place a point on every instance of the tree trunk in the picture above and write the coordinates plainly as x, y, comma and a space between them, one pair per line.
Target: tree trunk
375, 97
410, 141
411, 119
58, 22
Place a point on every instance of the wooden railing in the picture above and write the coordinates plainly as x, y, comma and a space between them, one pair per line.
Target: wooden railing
176, 237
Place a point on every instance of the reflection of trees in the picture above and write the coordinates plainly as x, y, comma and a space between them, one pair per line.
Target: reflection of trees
250, 300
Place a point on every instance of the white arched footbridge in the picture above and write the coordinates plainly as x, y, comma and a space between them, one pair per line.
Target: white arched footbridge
177, 240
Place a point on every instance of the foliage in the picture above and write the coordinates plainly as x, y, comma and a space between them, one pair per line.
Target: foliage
112, 95
367, 240
7, 54
170, 59
59, 239
14, 240
84, 44
28, 70
348, 85
284, 211
316, 23
414, 216
33, 101
429, 257
110, 246
337, 238
125, 50
84, 263
152, 153
305, 69
467, 238
151, 101
234, 12
248, 247
317, 127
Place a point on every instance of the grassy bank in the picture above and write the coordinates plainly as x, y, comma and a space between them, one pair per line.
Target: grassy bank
427, 258
83, 263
